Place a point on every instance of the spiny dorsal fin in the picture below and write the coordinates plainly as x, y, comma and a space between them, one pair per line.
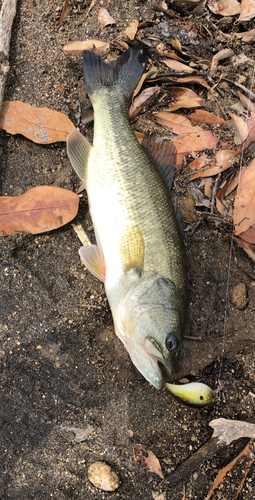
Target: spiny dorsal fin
164, 156
78, 150
132, 249
92, 257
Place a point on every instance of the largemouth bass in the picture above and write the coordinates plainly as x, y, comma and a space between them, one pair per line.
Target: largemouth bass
139, 251
194, 394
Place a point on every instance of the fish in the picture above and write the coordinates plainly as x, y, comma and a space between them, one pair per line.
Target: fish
139, 255
194, 394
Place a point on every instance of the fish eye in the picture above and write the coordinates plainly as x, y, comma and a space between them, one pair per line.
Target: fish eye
201, 398
171, 343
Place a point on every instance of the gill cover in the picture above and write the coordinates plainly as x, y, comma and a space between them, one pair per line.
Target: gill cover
148, 315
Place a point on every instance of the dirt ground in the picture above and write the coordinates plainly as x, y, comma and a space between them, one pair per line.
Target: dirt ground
69, 392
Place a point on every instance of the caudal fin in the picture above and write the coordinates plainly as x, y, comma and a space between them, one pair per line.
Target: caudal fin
123, 74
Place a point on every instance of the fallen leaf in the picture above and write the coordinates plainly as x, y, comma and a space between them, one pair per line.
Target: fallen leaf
178, 124
220, 56
224, 7
246, 36
144, 77
246, 102
65, 12
195, 141
76, 48
241, 128
202, 116
40, 209
139, 136
144, 97
105, 18
153, 464
172, 55
177, 66
179, 93
222, 161
251, 122
131, 30
200, 162
248, 235
248, 248
185, 79
244, 204
247, 10
193, 102
40, 125
223, 472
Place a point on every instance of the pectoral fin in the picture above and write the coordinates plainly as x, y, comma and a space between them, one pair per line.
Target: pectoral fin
78, 150
92, 257
132, 249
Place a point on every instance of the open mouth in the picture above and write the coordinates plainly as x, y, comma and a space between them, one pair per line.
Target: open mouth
165, 370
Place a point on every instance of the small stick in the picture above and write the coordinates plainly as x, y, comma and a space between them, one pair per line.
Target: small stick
7, 14
247, 91
225, 431
215, 191
84, 239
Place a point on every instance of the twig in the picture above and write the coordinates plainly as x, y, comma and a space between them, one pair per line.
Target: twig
225, 431
215, 191
84, 239
88, 11
247, 91
7, 15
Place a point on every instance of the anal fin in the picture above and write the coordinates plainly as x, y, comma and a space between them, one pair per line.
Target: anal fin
92, 257
78, 150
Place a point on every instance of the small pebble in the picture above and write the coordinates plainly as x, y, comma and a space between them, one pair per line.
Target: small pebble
102, 476
238, 297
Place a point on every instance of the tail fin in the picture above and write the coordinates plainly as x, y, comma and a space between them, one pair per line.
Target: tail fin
124, 73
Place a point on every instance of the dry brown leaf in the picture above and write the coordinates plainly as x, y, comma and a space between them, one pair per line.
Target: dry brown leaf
247, 10
202, 116
248, 247
186, 79
144, 77
246, 102
241, 128
172, 55
222, 473
131, 30
105, 18
222, 161
200, 162
65, 12
224, 7
139, 136
153, 464
220, 56
141, 100
247, 36
40, 209
177, 66
192, 102
178, 124
176, 44
179, 93
193, 142
41, 125
251, 122
244, 204
76, 48
248, 235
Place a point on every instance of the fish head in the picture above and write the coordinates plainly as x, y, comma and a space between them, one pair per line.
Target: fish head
150, 322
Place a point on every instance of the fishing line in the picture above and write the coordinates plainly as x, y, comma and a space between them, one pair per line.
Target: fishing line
218, 390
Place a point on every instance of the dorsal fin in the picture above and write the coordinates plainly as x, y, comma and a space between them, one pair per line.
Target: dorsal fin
163, 155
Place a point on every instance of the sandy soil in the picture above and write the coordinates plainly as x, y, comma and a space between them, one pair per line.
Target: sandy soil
62, 367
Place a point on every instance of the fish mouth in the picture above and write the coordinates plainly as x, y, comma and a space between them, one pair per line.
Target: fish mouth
165, 370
